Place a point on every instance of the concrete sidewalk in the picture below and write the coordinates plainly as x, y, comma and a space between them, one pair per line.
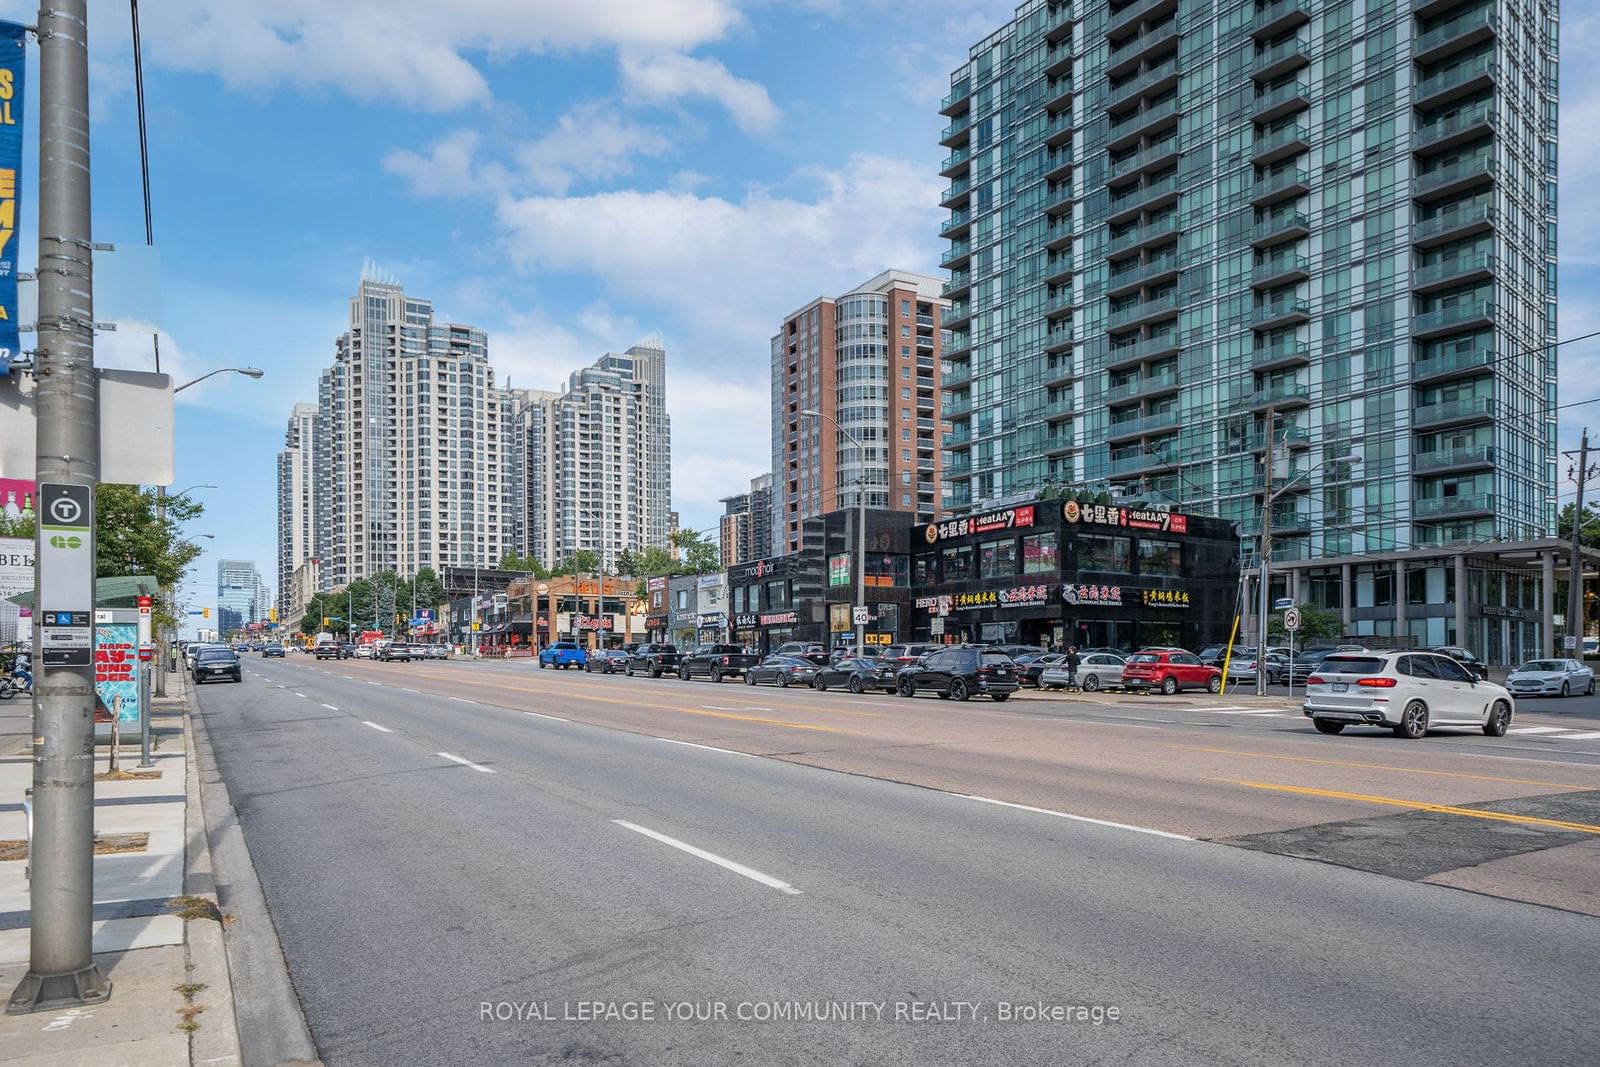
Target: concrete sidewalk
161, 966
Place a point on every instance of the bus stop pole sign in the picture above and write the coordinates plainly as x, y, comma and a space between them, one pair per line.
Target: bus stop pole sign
66, 574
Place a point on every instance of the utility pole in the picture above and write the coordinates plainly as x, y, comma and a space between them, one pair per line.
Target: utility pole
61, 967
1575, 573
861, 552
1264, 581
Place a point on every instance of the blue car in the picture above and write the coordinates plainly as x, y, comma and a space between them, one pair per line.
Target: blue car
563, 654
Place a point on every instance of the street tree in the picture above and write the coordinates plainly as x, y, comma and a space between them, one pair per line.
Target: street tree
583, 561
1316, 624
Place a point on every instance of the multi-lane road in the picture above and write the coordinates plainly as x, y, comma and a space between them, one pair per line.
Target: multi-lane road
464, 862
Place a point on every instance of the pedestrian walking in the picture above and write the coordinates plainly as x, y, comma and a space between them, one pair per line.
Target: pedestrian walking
1072, 666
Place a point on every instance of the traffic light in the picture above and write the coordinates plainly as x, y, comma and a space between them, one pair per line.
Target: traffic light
205, 613
324, 622
272, 614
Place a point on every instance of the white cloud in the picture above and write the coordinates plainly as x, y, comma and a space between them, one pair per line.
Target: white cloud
591, 142
449, 169
665, 77
729, 270
131, 347
1579, 151
410, 52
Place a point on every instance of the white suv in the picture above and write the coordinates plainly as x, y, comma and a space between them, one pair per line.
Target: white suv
1409, 692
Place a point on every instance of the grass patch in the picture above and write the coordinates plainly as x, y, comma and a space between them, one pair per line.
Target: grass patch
126, 776
189, 989
104, 845
189, 908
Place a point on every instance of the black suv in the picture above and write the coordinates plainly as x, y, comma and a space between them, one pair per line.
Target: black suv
806, 650
1479, 669
217, 662
959, 673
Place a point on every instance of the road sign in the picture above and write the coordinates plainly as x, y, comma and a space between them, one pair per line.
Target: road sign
936, 626
66, 565
860, 616
1569, 642
1291, 619
1283, 602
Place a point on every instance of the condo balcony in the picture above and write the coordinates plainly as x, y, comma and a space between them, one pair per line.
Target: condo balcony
1458, 129
1453, 506
1453, 224
1272, 19
1143, 386
1458, 412
1284, 354
1280, 226
1472, 314
1274, 145
1452, 365
1451, 460
1280, 313
1441, 182
1283, 185
1462, 80
1270, 104
1281, 58
1447, 273
1456, 35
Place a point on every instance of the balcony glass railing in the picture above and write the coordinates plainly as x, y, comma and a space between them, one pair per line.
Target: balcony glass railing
1283, 179
1148, 39
1452, 362
1279, 352
1150, 231
1283, 94
1144, 349
960, 155
1434, 507
1280, 222
1446, 80
1162, 457
1143, 310
1276, 139
1451, 316
1466, 120
1147, 269
1165, 147
1454, 267
1461, 24
1275, 394
1144, 116
1268, 56
1157, 73
1272, 13
1466, 407
958, 250
959, 91
1454, 219
1141, 385
1144, 192
1279, 309
1277, 266
1453, 457
1467, 170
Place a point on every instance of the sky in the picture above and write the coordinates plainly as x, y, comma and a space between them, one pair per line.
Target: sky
570, 177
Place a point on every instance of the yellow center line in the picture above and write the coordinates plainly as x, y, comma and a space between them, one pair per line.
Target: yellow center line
1387, 767
669, 707
1417, 805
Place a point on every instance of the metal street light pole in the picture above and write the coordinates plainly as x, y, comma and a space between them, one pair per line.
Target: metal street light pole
164, 645
61, 967
248, 372
861, 528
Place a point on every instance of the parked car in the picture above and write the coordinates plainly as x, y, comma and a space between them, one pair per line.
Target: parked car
607, 661
1096, 671
563, 654
269, 651
1212, 655
1409, 692
438, 651
906, 655
781, 671
857, 675
396, 651
1170, 672
717, 662
1032, 665
960, 672
1551, 677
217, 661
1462, 656
1016, 652
1244, 663
806, 650
1306, 663
654, 660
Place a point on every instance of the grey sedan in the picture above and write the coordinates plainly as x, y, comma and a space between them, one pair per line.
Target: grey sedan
1551, 677
1097, 670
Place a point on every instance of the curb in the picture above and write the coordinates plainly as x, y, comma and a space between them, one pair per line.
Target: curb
205, 952
261, 1000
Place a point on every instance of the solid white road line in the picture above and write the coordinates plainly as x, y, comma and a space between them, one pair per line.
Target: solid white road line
711, 857
708, 748
302, 696
1076, 818
330, 707
552, 718
1129, 725
465, 762
375, 726
464, 700
1536, 729
719, 707
1590, 736
1251, 713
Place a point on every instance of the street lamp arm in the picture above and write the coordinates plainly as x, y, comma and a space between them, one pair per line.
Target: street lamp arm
248, 372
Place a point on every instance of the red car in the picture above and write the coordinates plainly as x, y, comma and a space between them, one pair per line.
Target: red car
1169, 672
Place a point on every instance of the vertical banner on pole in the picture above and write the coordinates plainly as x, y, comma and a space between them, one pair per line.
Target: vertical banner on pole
13, 78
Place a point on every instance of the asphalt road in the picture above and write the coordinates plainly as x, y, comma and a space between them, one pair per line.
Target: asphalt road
440, 845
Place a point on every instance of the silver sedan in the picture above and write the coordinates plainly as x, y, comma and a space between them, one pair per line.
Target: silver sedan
1551, 677
1097, 670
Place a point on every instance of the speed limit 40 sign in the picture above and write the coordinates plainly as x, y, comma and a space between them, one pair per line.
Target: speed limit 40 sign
1291, 619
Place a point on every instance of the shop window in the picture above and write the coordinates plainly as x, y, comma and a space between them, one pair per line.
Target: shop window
777, 595
958, 563
1160, 557
926, 571
738, 598
1107, 554
997, 559
1040, 554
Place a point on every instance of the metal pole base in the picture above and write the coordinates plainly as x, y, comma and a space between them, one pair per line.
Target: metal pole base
51, 992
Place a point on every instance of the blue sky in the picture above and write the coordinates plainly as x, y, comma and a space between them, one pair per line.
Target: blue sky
570, 177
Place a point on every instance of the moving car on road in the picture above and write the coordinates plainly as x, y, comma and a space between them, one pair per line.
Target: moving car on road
654, 660
216, 662
1170, 672
782, 671
563, 654
1096, 671
607, 661
268, 651
856, 675
1551, 677
717, 662
959, 673
1408, 692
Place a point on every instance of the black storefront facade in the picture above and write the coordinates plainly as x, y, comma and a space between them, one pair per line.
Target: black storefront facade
777, 600
1074, 572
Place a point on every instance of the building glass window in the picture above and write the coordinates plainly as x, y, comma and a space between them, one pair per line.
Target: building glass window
1160, 557
1039, 554
957, 563
997, 559
1112, 555
777, 595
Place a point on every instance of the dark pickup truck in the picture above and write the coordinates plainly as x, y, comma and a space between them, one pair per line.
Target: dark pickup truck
654, 660
716, 662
